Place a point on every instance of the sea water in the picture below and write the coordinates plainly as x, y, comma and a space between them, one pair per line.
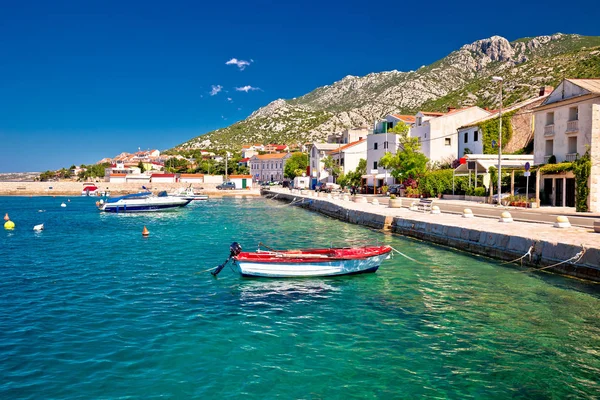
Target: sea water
91, 309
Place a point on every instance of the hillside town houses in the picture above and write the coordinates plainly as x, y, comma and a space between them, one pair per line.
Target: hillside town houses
562, 124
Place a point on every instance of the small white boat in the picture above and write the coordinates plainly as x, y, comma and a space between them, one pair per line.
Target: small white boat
189, 193
39, 227
89, 189
307, 262
141, 202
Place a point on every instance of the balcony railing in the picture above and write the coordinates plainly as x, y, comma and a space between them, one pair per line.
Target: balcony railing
571, 157
549, 130
546, 159
572, 126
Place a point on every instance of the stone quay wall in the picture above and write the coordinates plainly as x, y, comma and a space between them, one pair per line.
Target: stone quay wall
475, 239
69, 188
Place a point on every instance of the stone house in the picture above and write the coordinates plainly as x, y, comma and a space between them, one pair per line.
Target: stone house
567, 123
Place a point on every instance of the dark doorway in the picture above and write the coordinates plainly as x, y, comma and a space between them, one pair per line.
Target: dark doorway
558, 199
546, 197
570, 192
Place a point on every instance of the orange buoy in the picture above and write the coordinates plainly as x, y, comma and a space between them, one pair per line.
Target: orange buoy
145, 232
6, 217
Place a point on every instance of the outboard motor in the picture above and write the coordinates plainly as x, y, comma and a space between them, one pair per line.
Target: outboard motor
234, 250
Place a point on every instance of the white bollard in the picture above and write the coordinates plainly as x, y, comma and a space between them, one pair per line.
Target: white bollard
435, 210
346, 197
467, 213
506, 217
562, 222
375, 202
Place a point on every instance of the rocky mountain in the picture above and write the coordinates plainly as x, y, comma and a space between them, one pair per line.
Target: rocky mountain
460, 79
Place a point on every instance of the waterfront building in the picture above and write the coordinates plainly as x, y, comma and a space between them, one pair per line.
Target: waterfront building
567, 123
268, 167
470, 137
241, 181
348, 156
349, 135
318, 152
438, 134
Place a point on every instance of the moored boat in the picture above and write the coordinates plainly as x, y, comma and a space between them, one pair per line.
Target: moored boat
89, 189
141, 202
307, 262
190, 194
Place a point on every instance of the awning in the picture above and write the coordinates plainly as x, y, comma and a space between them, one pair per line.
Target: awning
485, 161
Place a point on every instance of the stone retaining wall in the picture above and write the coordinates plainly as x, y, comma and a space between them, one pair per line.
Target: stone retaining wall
74, 188
490, 244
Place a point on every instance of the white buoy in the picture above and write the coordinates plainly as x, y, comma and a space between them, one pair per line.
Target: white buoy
435, 210
562, 222
63, 205
467, 213
506, 217
39, 227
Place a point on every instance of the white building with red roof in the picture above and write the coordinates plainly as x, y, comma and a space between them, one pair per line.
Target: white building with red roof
347, 156
438, 134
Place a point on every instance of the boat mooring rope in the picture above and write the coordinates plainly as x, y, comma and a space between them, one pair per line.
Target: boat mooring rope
207, 270
573, 260
404, 255
522, 257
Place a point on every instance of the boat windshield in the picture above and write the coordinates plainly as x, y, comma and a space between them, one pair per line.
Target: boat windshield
141, 195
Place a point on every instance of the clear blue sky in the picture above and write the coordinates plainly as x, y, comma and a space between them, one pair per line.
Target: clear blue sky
83, 80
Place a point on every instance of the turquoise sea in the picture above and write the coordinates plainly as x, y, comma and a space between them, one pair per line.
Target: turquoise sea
89, 309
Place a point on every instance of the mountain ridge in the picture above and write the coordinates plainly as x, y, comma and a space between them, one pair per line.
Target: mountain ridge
462, 78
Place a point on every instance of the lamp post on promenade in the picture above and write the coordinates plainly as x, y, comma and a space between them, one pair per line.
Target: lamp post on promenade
499, 79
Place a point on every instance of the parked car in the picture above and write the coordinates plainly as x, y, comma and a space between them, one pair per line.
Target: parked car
226, 186
395, 189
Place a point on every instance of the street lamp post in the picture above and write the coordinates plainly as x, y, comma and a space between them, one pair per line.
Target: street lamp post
499, 79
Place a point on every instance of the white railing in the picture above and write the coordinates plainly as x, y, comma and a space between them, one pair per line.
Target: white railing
546, 159
549, 130
573, 126
571, 157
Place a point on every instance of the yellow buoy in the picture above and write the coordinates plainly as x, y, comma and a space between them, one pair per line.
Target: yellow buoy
145, 232
6, 217
9, 225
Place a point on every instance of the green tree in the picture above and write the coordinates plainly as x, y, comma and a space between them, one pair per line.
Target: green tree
354, 178
295, 165
408, 162
400, 129
332, 167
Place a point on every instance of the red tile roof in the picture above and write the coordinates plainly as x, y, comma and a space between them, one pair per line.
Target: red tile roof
269, 156
344, 147
406, 118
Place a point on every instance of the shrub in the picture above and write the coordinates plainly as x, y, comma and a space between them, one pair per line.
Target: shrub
479, 191
392, 196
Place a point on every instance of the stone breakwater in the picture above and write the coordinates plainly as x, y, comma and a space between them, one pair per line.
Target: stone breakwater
116, 189
483, 236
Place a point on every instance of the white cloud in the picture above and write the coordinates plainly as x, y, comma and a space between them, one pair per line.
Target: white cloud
241, 64
216, 89
246, 88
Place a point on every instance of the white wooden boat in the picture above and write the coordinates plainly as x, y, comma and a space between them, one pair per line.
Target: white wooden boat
307, 262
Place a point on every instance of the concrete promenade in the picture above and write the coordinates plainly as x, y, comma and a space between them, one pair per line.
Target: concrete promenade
480, 235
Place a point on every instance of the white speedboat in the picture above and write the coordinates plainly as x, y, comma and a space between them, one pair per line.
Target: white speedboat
142, 202
189, 194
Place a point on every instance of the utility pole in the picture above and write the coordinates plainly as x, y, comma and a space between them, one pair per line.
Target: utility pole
499, 79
